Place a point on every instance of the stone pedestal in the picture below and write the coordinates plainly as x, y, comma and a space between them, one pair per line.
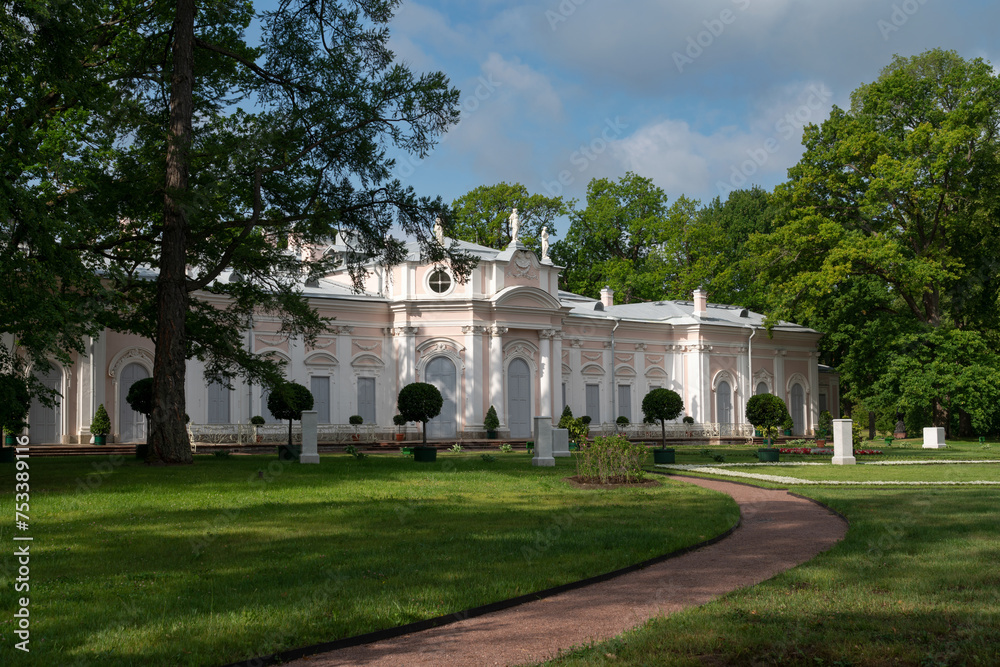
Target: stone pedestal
560, 442
843, 443
309, 454
543, 443
934, 438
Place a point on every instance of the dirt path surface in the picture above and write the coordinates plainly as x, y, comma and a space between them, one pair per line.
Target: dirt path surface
778, 531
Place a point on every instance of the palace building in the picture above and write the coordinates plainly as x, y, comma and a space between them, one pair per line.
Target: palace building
507, 337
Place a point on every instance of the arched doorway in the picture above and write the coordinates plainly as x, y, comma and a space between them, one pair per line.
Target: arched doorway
724, 403
132, 423
441, 373
798, 409
519, 399
43, 420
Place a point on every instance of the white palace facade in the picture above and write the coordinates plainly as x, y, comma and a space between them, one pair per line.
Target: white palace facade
507, 337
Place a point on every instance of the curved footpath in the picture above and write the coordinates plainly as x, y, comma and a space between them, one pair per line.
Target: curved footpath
778, 531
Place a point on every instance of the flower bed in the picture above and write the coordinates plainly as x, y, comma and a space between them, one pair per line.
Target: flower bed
867, 451
823, 450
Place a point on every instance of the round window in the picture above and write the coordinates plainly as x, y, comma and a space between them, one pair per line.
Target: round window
439, 281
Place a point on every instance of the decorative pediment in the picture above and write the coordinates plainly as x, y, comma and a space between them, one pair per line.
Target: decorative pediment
523, 264
593, 370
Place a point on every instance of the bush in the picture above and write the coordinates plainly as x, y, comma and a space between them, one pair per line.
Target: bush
356, 420
766, 412
257, 420
420, 402
622, 420
585, 419
825, 425
457, 448
491, 421
566, 419
578, 429
101, 424
140, 396
15, 401
506, 448
487, 458
688, 420
611, 460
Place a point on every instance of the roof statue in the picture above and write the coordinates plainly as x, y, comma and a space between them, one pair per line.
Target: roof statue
439, 231
545, 244
515, 226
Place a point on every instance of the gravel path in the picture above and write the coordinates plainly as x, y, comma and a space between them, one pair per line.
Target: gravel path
778, 531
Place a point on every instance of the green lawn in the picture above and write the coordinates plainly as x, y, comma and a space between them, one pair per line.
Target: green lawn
915, 582
207, 564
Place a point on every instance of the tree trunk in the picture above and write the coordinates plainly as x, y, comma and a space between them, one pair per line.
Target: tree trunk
168, 436
663, 435
964, 424
942, 418
871, 425
289, 433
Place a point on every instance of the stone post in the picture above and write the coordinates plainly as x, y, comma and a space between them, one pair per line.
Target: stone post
310, 453
843, 443
560, 443
543, 442
934, 438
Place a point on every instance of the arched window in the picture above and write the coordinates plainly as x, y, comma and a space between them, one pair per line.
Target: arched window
761, 388
798, 409
724, 403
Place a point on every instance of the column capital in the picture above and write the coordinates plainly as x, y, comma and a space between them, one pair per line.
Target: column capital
640, 347
474, 330
497, 331
546, 334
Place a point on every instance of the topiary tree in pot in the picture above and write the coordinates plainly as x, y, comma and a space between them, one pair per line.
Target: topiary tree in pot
101, 425
491, 422
420, 402
356, 421
287, 401
662, 405
767, 413
140, 399
400, 422
824, 427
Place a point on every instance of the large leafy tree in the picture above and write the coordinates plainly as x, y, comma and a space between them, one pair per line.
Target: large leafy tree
51, 147
482, 215
217, 164
889, 237
620, 239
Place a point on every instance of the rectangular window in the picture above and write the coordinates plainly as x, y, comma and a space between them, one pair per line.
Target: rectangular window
320, 388
625, 401
218, 403
822, 401
366, 399
594, 403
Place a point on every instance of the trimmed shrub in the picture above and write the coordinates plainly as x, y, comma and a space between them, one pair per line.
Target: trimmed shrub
611, 460
287, 401
491, 421
688, 420
257, 420
102, 423
767, 413
662, 405
356, 420
140, 396
420, 402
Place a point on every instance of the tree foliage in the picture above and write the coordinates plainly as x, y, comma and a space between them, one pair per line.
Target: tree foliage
15, 401
159, 154
888, 239
420, 402
482, 215
619, 240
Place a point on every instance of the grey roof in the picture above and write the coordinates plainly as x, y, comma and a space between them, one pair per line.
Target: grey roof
670, 312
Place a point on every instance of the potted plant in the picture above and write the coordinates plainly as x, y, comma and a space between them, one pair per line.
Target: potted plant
621, 423
15, 401
140, 399
662, 405
287, 401
101, 425
491, 422
400, 422
787, 425
420, 402
823, 428
356, 421
257, 421
767, 413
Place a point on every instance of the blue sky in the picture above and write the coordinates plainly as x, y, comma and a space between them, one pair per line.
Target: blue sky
699, 96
